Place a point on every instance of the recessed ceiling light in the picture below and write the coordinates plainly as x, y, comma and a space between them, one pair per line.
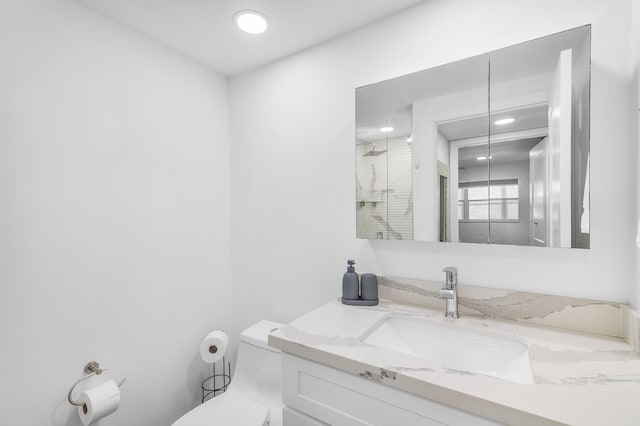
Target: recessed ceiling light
386, 129
483, 158
251, 21
504, 121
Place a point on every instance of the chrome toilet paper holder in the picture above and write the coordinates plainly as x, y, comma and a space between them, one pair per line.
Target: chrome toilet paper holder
92, 368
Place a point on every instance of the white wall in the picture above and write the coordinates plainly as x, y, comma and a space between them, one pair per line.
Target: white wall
114, 215
635, 111
292, 127
443, 149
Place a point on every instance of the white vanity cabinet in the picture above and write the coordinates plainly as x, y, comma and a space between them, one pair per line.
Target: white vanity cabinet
315, 394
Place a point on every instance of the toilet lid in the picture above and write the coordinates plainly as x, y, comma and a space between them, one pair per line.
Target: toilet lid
230, 408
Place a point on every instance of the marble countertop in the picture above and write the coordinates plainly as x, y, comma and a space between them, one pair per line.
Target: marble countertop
579, 378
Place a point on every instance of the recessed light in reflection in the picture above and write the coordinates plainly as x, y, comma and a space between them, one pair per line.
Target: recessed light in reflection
386, 129
504, 121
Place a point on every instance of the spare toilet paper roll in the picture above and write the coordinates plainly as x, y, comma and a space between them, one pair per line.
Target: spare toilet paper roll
214, 346
99, 402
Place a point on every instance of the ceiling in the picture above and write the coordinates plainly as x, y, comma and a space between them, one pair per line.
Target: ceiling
504, 152
204, 30
526, 118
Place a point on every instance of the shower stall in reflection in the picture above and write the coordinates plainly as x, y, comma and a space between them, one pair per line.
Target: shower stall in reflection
383, 189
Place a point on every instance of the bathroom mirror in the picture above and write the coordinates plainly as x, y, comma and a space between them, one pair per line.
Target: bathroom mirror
489, 149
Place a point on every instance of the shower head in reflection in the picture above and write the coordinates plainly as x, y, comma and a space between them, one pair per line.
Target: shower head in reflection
373, 152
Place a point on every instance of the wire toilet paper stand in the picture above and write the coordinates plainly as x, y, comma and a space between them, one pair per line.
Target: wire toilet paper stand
217, 383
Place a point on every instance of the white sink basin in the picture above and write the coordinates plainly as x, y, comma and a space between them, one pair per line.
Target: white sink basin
455, 346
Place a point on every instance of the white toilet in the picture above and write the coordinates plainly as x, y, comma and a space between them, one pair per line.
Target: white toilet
254, 397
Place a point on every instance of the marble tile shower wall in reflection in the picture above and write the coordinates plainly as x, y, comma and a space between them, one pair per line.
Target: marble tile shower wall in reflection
384, 204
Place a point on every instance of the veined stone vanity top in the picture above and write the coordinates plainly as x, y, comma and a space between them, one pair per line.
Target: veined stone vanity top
579, 378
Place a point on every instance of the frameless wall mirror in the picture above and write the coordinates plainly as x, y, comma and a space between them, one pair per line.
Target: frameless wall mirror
490, 149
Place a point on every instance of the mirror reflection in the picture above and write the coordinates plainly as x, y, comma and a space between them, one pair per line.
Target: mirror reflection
489, 149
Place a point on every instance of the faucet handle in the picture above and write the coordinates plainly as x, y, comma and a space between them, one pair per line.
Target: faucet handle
452, 275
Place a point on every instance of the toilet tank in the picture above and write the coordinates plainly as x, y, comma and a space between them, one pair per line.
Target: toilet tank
258, 368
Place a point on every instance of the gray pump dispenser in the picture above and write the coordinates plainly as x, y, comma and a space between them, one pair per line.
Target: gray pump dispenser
350, 284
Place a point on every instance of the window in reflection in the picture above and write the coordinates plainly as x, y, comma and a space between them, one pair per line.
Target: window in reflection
474, 203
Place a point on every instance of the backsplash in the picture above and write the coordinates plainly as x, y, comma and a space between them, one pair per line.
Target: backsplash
583, 315
631, 327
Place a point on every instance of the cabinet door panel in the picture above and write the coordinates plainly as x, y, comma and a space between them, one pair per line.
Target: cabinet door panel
342, 399
291, 417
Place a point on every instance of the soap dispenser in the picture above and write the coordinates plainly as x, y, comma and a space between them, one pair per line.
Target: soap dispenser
350, 284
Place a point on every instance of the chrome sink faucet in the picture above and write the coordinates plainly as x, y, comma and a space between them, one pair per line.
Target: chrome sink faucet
449, 292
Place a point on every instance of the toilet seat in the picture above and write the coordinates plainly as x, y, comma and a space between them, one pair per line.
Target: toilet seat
230, 408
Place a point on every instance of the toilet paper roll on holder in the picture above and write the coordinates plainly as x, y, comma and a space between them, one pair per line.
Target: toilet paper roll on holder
92, 368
